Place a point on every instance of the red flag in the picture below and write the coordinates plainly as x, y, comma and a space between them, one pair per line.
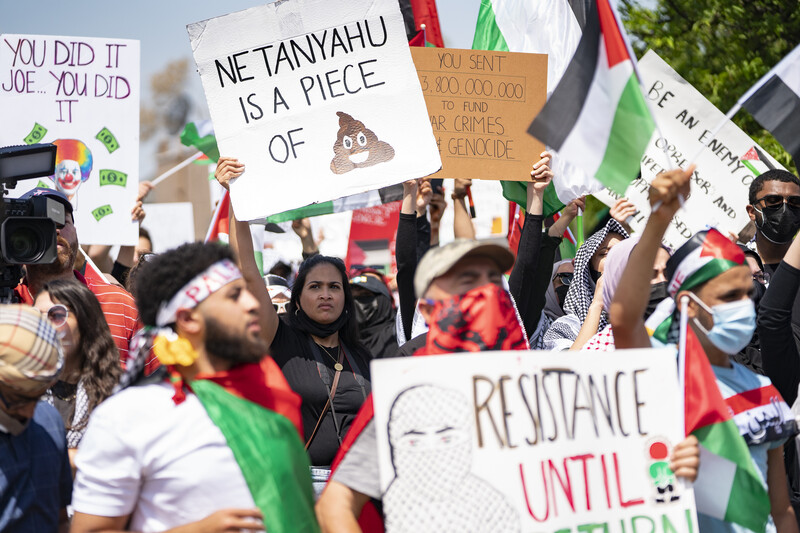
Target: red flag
220, 224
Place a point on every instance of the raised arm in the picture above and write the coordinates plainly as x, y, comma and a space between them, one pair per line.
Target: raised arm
522, 282
631, 297
462, 222
406, 255
241, 241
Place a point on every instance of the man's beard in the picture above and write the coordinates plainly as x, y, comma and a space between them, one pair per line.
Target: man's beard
235, 348
64, 262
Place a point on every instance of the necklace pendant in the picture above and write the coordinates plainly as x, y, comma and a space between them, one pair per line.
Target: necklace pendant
338, 367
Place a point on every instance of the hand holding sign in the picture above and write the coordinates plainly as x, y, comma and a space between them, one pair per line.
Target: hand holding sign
228, 168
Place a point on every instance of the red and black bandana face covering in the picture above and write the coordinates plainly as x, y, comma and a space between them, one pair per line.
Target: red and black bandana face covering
481, 320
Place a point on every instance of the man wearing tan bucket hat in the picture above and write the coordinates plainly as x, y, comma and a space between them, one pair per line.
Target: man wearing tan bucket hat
35, 477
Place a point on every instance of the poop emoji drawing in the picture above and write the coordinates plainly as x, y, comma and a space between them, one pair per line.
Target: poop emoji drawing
357, 147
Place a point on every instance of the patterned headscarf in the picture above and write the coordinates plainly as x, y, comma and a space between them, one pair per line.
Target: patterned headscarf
30, 352
706, 255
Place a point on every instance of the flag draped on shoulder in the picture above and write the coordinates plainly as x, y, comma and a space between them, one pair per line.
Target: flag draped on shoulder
728, 485
774, 101
259, 416
597, 117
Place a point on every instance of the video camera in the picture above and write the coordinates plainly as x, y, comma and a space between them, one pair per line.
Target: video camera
27, 227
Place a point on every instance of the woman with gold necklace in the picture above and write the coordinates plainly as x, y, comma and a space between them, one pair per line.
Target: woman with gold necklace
316, 344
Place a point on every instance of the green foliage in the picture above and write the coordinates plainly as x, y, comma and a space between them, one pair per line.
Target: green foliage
721, 47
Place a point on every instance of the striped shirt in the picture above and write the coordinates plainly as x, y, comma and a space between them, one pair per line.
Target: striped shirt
118, 307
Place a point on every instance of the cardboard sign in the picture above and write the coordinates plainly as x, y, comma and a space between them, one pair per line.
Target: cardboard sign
480, 105
531, 441
82, 94
318, 98
725, 168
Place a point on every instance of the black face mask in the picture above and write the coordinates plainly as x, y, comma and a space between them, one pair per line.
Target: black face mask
594, 274
366, 309
778, 224
658, 293
758, 292
561, 294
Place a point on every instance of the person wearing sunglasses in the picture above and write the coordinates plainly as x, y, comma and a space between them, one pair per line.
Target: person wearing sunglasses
774, 208
91, 359
35, 478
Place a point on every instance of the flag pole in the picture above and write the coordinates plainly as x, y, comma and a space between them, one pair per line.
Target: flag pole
92, 265
175, 169
424, 35
684, 324
579, 227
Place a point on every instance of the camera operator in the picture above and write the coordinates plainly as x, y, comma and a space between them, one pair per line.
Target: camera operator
117, 304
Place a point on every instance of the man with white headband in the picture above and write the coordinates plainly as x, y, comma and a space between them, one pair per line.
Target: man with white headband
212, 441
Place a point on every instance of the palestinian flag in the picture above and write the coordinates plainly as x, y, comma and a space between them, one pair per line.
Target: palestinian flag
774, 101
755, 155
516, 217
525, 26
415, 14
385, 195
728, 485
259, 416
200, 135
597, 117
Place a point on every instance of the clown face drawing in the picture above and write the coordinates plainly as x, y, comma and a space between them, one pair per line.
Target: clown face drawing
73, 167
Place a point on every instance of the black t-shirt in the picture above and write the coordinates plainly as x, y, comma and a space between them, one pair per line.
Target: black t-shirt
292, 350
413, 345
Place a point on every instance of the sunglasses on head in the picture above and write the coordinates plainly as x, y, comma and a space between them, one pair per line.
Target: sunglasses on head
776, 200
57, 315
565, 277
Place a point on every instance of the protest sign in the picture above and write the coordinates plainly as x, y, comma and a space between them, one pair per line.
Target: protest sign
169, 224
480, 105
531, 441
319, 99
723, 176
81, 94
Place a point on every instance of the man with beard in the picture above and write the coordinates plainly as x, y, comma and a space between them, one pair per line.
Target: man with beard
117, 304
212, 441
375, 313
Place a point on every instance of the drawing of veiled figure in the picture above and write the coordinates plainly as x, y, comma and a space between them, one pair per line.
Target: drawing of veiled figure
434, 490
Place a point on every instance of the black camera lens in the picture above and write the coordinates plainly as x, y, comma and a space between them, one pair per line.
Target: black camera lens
25, 244
28, 240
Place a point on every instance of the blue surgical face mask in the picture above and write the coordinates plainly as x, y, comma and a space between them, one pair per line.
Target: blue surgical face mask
734, 324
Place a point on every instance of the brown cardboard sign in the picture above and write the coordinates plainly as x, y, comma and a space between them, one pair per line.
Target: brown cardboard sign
480, 105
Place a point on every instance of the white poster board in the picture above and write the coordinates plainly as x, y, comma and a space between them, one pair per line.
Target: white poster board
721, 181
530, 441
169, 224
318, 98
82, 94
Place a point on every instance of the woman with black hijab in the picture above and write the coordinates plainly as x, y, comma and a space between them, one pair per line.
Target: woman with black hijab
317, 346
375, 313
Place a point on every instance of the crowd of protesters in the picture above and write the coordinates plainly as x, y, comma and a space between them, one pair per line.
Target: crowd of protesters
214, 398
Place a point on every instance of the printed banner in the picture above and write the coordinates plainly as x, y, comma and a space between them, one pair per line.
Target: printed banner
725, 168
531, 441
373, 235
318, 98
81, 94
480, 105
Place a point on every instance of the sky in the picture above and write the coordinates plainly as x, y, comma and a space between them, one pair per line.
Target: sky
160, 26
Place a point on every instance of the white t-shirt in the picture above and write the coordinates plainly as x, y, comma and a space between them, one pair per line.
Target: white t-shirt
164, 464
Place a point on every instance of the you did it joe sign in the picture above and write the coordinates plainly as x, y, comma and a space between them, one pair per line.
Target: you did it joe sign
531, 441
318, 98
